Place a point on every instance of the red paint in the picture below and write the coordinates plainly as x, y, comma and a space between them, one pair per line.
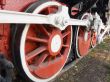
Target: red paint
74, 11
13, 5
5, 39
2, 3
83, 46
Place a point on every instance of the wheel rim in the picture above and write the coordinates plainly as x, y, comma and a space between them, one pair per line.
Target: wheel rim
83, 40
40, 59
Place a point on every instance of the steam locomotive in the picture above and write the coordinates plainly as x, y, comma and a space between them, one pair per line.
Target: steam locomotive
38, 51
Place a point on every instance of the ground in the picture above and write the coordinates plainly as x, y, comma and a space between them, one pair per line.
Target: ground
95, 67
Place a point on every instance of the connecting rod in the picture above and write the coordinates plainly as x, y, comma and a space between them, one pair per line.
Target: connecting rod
60, 19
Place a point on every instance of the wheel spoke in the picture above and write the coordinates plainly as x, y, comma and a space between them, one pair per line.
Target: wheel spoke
44, 30
60, 54
34, 53
81, 32
49, 59
32, 68
66, 46
37, 39
48, 10
66, 33
42, 58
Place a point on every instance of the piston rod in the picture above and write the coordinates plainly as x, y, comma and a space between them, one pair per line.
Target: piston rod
60, 19
22, 18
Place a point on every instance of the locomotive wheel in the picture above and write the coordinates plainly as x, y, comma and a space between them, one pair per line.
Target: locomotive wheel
82, 39
41, 50
82, 44
93, 39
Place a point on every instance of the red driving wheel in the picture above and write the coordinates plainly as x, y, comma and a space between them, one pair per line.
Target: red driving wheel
83, 39
43, 49
83, 44
46, 49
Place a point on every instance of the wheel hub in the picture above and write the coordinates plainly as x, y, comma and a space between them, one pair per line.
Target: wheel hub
55, 43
